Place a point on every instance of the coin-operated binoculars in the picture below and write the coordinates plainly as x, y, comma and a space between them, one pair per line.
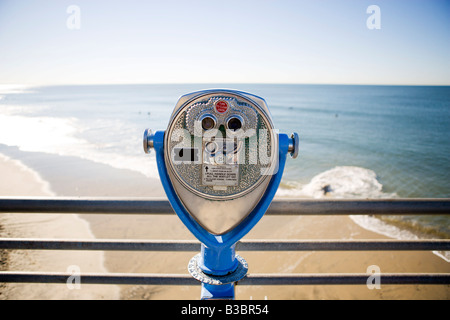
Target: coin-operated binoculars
220, 162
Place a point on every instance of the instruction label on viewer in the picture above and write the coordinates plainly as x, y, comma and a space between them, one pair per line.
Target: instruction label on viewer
220, 175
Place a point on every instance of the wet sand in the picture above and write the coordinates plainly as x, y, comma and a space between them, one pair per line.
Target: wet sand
92, 179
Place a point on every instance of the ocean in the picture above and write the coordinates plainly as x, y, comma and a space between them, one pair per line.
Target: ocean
361, 141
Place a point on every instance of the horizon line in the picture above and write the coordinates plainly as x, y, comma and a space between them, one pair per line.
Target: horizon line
221, 83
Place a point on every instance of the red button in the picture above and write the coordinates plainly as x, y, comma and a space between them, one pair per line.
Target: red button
221, 106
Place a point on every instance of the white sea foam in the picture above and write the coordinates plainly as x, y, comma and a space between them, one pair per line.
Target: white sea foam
341, 182
60, 136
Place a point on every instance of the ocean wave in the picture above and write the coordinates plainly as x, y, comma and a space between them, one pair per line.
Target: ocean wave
342, 182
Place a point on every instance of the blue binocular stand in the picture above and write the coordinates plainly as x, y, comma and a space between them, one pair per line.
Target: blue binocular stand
218, 266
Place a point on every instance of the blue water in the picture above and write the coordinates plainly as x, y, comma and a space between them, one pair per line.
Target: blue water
364, 141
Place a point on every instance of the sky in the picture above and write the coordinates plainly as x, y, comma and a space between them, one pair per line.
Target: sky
45, 42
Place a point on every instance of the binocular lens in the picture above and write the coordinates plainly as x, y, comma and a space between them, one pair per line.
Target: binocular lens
234, 124
208, 123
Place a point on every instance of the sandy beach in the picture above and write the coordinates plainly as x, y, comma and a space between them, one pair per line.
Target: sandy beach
55, 179
19, 180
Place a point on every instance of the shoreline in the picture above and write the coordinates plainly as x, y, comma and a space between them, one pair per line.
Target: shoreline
113, 182
20, 180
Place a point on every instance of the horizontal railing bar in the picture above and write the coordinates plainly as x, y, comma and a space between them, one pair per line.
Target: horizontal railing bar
343, 245
118, 278
84, 205
101, 245
360, 207
243, 245
345, 279
257, 279
278, 206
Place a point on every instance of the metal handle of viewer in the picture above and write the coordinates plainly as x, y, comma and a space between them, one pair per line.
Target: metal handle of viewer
148, 140
294, 141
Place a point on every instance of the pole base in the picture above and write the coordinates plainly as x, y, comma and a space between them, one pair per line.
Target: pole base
200, 275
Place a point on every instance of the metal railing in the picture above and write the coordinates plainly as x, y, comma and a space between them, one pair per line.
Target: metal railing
278, 207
